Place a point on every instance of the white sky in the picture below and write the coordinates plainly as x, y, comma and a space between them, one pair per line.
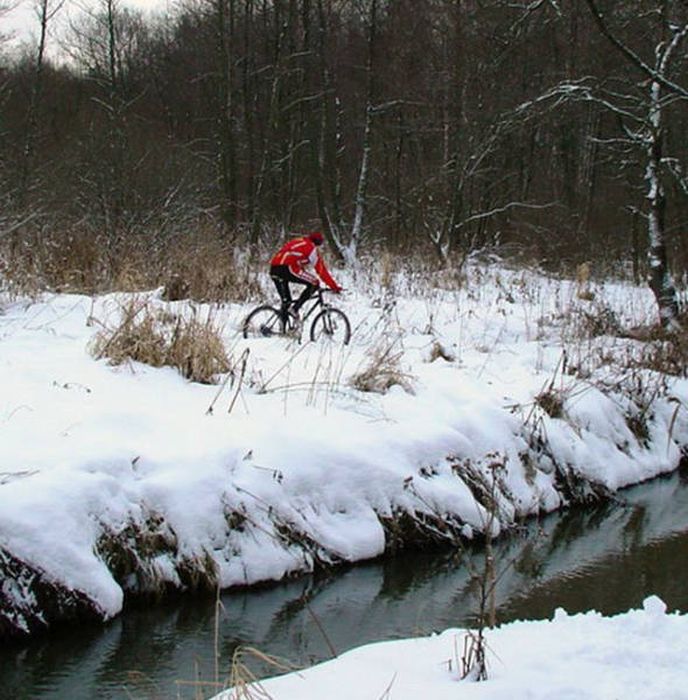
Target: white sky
22, 23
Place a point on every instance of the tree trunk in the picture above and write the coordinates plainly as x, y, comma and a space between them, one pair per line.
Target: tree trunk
351, 249
659, 277
31, 125
226, 117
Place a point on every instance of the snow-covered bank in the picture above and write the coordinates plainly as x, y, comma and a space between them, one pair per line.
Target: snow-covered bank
118, 480
639, 654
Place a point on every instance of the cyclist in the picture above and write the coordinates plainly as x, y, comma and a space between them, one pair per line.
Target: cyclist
291, 263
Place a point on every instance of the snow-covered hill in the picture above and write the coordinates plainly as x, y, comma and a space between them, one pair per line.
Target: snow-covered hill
516, 389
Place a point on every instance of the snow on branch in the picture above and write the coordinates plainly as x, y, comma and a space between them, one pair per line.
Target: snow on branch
501, 209
576, 90
663, 54
674, 167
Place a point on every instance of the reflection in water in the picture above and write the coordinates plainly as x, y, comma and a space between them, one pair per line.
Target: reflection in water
609, 559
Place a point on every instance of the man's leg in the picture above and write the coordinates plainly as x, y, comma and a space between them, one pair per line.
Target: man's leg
279, 277
308, 291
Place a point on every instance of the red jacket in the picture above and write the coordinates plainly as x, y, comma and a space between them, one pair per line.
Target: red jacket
300, 253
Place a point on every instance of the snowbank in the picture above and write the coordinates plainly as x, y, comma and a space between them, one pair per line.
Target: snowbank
639, 654
120, 480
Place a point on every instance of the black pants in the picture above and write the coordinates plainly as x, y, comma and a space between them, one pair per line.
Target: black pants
281, 275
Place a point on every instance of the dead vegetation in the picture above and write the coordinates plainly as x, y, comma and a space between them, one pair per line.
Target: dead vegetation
203, 266
662, 351
551, 401
439, 350
21, 616
382, 371
156, 337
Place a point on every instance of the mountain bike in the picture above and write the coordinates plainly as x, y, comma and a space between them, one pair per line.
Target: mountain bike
329, 323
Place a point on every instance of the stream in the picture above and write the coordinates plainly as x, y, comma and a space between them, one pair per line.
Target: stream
607, 558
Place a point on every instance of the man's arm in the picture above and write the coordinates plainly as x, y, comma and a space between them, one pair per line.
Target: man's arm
324, 274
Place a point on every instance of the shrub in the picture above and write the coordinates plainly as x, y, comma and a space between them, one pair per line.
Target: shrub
158, 338
551, 402
382, 372
204, 264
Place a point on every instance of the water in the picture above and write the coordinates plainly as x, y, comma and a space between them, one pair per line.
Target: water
608, 559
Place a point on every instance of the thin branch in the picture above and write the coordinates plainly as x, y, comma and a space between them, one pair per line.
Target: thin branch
632, 56
19, 224
502, 209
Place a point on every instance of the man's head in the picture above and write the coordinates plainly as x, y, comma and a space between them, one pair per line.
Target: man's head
316, 237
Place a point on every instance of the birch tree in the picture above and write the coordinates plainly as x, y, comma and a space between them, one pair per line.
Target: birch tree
351, 249
657, 80
327, 147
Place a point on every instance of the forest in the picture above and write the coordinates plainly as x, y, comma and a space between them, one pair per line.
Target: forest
548, 130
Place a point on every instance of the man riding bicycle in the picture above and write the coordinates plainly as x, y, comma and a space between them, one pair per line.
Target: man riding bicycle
291, 263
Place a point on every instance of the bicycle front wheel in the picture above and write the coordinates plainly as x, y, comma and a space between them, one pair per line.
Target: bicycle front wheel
263, 322
331, 325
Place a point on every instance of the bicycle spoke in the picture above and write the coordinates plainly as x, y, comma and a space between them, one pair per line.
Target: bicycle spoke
331, 325
263, 322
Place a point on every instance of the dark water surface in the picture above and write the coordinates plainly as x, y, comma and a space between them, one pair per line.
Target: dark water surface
608, 559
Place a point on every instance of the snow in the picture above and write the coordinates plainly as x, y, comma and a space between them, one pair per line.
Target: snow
305, 467
638, 654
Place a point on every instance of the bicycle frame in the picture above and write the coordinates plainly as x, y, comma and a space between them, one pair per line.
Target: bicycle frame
315, 302
324, 319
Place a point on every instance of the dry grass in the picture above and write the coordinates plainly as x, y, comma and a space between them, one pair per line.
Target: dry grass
551, 401
208, 267
244, 683
664, 351
382, 371
205, 265
439, 351
157, 338
75, 260
583, 288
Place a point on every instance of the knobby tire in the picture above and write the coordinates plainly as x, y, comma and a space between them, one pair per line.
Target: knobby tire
331, 324
263, 322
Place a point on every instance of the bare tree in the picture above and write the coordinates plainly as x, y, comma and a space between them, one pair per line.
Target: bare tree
327, 146
351, 248
366, 115
648, 131
6, 6
227, 158
103, 44
45, 11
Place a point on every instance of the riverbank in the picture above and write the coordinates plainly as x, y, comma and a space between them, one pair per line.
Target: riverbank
510, 395
607, 558
638, 654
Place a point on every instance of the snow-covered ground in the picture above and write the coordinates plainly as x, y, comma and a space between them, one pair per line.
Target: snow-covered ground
639, 654
120, 479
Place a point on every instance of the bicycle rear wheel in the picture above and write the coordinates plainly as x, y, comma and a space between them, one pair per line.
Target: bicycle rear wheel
332, 325
263, 322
